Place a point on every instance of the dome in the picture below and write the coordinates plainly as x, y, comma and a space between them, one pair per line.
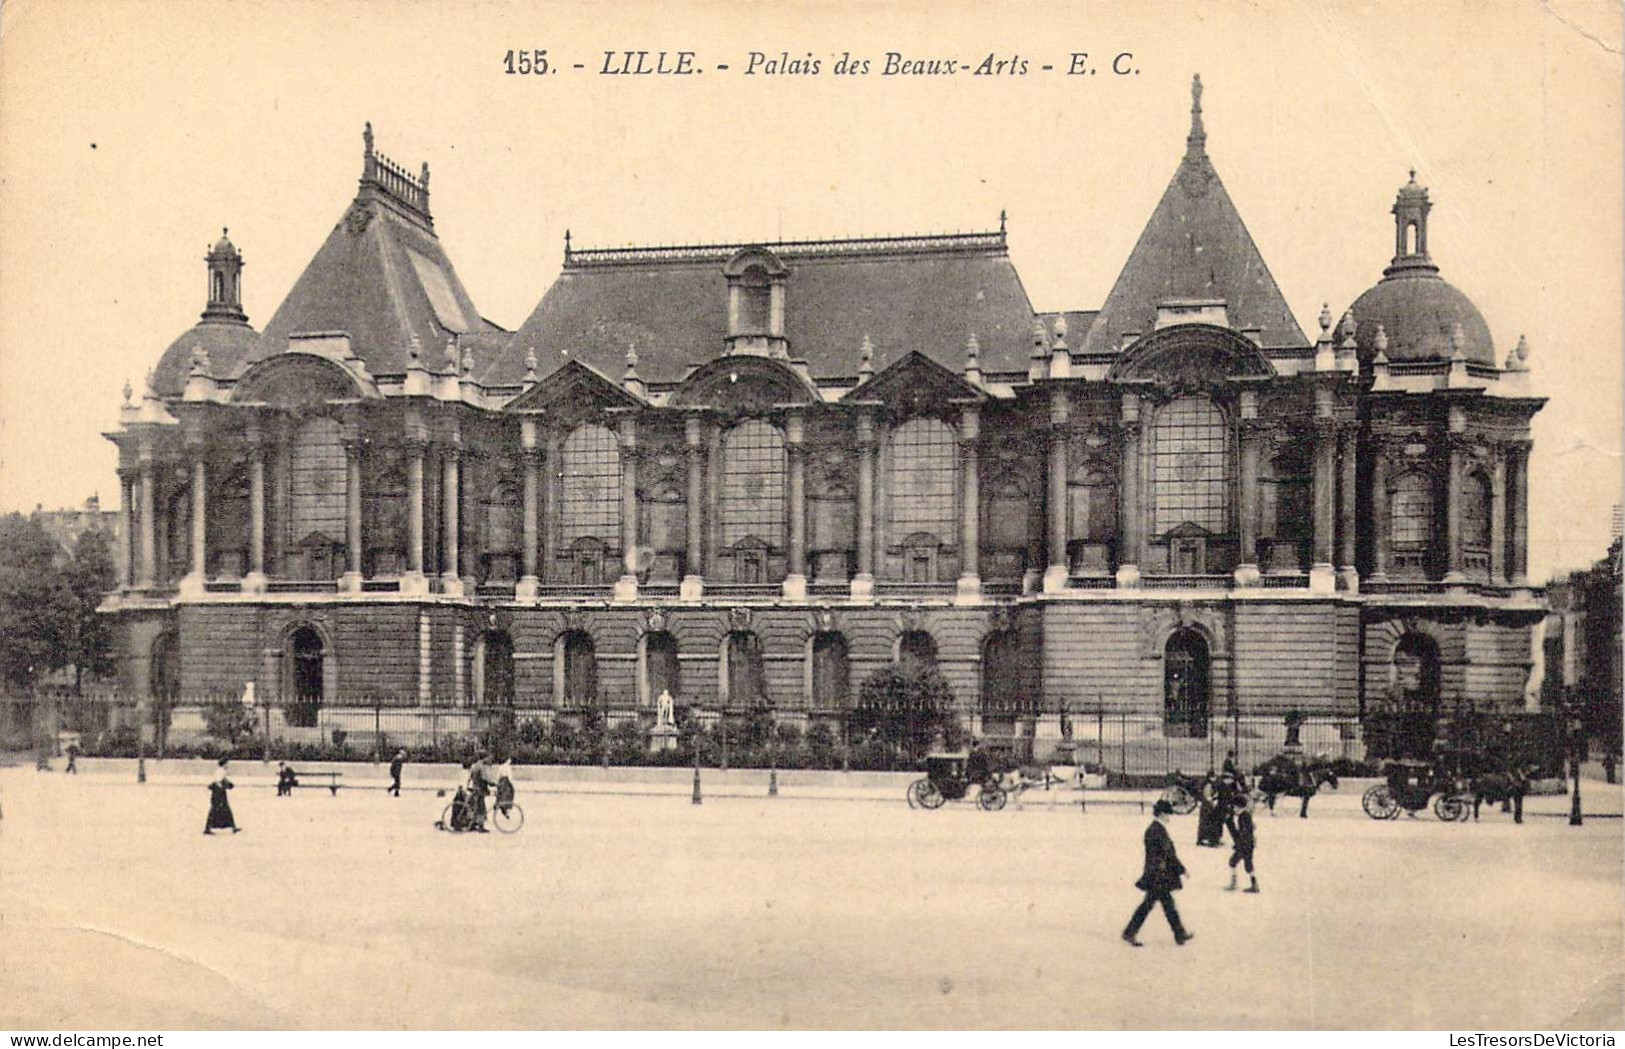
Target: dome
223, 246
1418, 315
226, 342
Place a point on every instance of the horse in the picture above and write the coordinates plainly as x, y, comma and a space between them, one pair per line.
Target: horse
1500, 787
1277, 778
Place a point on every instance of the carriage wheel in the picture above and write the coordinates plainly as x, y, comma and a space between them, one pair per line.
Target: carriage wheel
992, 797
1182, 800
916, 793
928, 796
1379, 803
1449, 808
507, 818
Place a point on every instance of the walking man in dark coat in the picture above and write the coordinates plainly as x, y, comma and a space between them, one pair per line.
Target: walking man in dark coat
395, 772
220, 817
1160, 880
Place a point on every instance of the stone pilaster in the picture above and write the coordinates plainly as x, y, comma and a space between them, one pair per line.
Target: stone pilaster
148, 573
693, 585
626, 587
450, 503
528, 582
350, 582
1057, 570
795, 580
254, 582
863, 583
970, 506
1348, 450
1131, 522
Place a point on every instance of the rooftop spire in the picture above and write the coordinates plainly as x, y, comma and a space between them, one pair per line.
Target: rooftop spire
1196, 141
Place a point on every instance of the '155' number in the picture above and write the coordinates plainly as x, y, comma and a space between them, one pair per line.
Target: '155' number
526, 63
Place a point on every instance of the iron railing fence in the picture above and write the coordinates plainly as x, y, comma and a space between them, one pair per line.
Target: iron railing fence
1124, 744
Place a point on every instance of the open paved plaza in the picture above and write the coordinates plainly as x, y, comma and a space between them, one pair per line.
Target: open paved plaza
641, 910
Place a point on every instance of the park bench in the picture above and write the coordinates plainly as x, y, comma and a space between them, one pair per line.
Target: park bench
332, 778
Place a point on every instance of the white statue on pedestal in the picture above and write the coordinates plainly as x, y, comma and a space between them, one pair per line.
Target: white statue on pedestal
663, 710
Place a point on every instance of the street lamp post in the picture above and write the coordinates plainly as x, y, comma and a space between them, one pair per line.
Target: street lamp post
1575, 725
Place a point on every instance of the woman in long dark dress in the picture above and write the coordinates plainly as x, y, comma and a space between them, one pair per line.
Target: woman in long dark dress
220, 817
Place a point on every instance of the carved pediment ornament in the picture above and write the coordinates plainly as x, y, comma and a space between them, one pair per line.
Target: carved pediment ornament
740, 620
910, 620
575, 621
654, 621
825, 621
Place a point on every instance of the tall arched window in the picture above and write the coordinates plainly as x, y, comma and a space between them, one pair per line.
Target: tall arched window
916, 652
753, 472
1411, 521
590, 503
662, 671
1475, 513
306, 681
384, 509
745, 675
317, 488
229, 525
1190, 468
924, 460
496, 675
178, 531
503, 533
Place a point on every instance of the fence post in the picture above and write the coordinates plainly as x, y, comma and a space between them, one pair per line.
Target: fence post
377, 729
1122, 742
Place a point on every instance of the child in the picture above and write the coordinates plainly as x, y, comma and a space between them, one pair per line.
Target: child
1242, 830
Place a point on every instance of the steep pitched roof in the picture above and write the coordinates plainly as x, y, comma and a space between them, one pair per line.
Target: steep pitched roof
1195, 246
916, 293
381, 277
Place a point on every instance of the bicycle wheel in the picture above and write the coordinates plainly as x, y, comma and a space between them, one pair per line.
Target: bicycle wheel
507, 818
445, 819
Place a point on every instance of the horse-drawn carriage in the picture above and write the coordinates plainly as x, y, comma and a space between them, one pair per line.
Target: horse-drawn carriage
1410, 785
945, 780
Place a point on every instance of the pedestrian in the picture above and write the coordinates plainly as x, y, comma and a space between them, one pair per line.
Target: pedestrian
1210, 818
73, 760
479, 787
285, 780
395, 772
220, 816
1160, 879
1241, 829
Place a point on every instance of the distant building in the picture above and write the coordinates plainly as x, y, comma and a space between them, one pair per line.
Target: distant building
1583, 645
66, 526
751, 474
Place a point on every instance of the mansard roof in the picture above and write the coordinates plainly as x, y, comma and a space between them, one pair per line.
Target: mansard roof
907, 293
382, 277
1195, 247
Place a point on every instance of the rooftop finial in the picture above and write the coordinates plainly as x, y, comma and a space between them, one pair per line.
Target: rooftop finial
414, 350
1325, 319
366, 138
1380, 340
866, 359
128, 392
424, 177
1196, 141
451, 354
530, 366
1458, 340
566, 245
468, 361
1522, 349
1002, 217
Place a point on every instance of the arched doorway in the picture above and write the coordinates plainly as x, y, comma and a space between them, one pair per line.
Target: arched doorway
306, 677
497, 674
578, 665
1186, 673
746, 677
831, 672
916, 652
661, 670
1007, 710
1416, 688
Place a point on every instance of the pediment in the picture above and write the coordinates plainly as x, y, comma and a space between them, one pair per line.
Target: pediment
916, 385
743, 382
579, 386
294, 380
1192, 355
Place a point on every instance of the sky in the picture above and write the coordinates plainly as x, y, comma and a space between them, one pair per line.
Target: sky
131, 134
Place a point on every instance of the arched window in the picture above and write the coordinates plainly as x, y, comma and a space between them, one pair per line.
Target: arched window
384, 509
177, 521
503, 532
753, 471
1003, 694
590, 504
662, 671
916, 652
746, 677
831, 672
578, 670
924, 460
1190, 467
1475, 513
1411, 521
755, 302
1286, 507
229, 525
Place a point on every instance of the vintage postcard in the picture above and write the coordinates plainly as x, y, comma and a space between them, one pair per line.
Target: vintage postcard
722, 516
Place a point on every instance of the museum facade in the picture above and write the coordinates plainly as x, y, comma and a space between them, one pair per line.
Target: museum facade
752, 474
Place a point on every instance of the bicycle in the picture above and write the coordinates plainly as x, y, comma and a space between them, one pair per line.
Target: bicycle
506, 816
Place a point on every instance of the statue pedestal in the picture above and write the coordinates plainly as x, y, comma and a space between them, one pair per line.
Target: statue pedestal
662, 739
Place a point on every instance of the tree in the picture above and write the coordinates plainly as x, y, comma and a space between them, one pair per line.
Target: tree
905, 707
88, 575
37, 609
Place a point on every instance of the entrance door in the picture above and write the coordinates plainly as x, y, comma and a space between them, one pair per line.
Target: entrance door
498, 670
306, 693
1185, 685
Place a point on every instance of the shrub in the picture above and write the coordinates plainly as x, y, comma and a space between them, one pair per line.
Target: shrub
227, 721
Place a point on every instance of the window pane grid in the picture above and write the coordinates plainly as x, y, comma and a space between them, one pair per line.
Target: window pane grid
1190, 466
1412, 510
591, 473
753, 471
924, 458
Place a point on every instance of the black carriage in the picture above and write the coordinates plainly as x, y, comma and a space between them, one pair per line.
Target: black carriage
945, 781
1410, 785
1182, 793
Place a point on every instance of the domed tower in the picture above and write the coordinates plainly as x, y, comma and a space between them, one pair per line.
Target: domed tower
1417, 311
222, 334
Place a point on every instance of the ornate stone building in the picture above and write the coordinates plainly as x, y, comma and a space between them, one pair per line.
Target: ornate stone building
754, 473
